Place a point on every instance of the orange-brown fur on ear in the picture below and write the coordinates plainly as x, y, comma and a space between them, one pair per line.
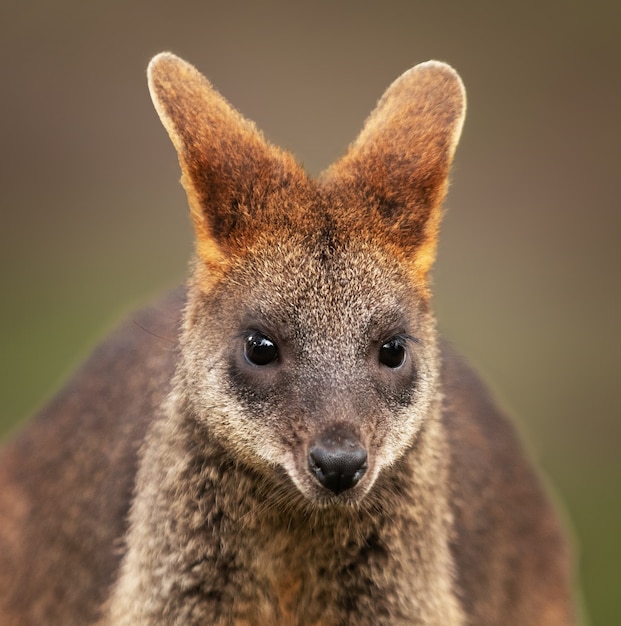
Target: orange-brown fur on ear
396, 171
229, 171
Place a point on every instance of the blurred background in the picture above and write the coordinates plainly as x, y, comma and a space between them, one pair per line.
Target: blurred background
93, 222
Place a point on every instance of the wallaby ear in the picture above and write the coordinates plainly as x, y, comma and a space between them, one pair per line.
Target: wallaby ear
397, 169
228, 169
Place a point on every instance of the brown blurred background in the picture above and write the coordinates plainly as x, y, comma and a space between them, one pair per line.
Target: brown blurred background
93, 222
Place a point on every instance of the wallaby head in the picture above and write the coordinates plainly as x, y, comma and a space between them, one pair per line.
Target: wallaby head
308, 348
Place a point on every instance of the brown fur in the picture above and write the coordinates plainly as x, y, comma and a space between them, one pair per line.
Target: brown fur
170, 483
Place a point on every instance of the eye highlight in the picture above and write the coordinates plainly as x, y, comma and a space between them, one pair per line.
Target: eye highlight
259, 349
392, 353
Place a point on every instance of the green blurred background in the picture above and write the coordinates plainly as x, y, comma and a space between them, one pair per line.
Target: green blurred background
93, 221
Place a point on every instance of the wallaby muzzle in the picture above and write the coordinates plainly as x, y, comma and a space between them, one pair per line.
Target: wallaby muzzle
337, 460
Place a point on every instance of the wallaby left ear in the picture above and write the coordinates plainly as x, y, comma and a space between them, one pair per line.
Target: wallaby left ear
232, 176
397, 169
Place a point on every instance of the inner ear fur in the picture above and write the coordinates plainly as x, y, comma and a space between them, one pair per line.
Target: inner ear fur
228, 169
397, 169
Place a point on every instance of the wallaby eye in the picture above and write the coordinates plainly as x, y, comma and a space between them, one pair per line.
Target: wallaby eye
392, 353
260, 349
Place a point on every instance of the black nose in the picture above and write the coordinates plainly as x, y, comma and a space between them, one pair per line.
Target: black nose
338, 461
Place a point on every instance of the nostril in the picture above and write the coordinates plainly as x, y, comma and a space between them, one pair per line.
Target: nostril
338, 468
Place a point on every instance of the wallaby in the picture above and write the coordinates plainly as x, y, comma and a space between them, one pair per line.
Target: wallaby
286, 441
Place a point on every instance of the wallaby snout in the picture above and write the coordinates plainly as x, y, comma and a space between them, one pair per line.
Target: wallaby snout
337, 460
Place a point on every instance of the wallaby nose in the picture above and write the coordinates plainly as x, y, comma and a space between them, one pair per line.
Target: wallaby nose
338, 461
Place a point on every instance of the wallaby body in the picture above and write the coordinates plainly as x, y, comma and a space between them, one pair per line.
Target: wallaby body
286, 442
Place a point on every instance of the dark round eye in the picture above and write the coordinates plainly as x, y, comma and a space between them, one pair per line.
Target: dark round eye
259, 349
392, 353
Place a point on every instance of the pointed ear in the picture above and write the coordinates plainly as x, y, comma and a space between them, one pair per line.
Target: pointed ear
397, 169
228, 169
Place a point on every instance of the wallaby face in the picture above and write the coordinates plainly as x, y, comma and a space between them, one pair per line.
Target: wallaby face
310, 302
307, 452
330, 395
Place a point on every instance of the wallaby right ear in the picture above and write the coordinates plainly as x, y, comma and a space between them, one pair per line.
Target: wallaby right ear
396, 172
228, 168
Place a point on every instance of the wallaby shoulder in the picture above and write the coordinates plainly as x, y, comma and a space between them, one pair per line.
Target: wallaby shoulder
507, 537
67, 478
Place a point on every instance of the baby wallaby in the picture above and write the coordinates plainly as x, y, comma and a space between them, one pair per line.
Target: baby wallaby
306, 452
